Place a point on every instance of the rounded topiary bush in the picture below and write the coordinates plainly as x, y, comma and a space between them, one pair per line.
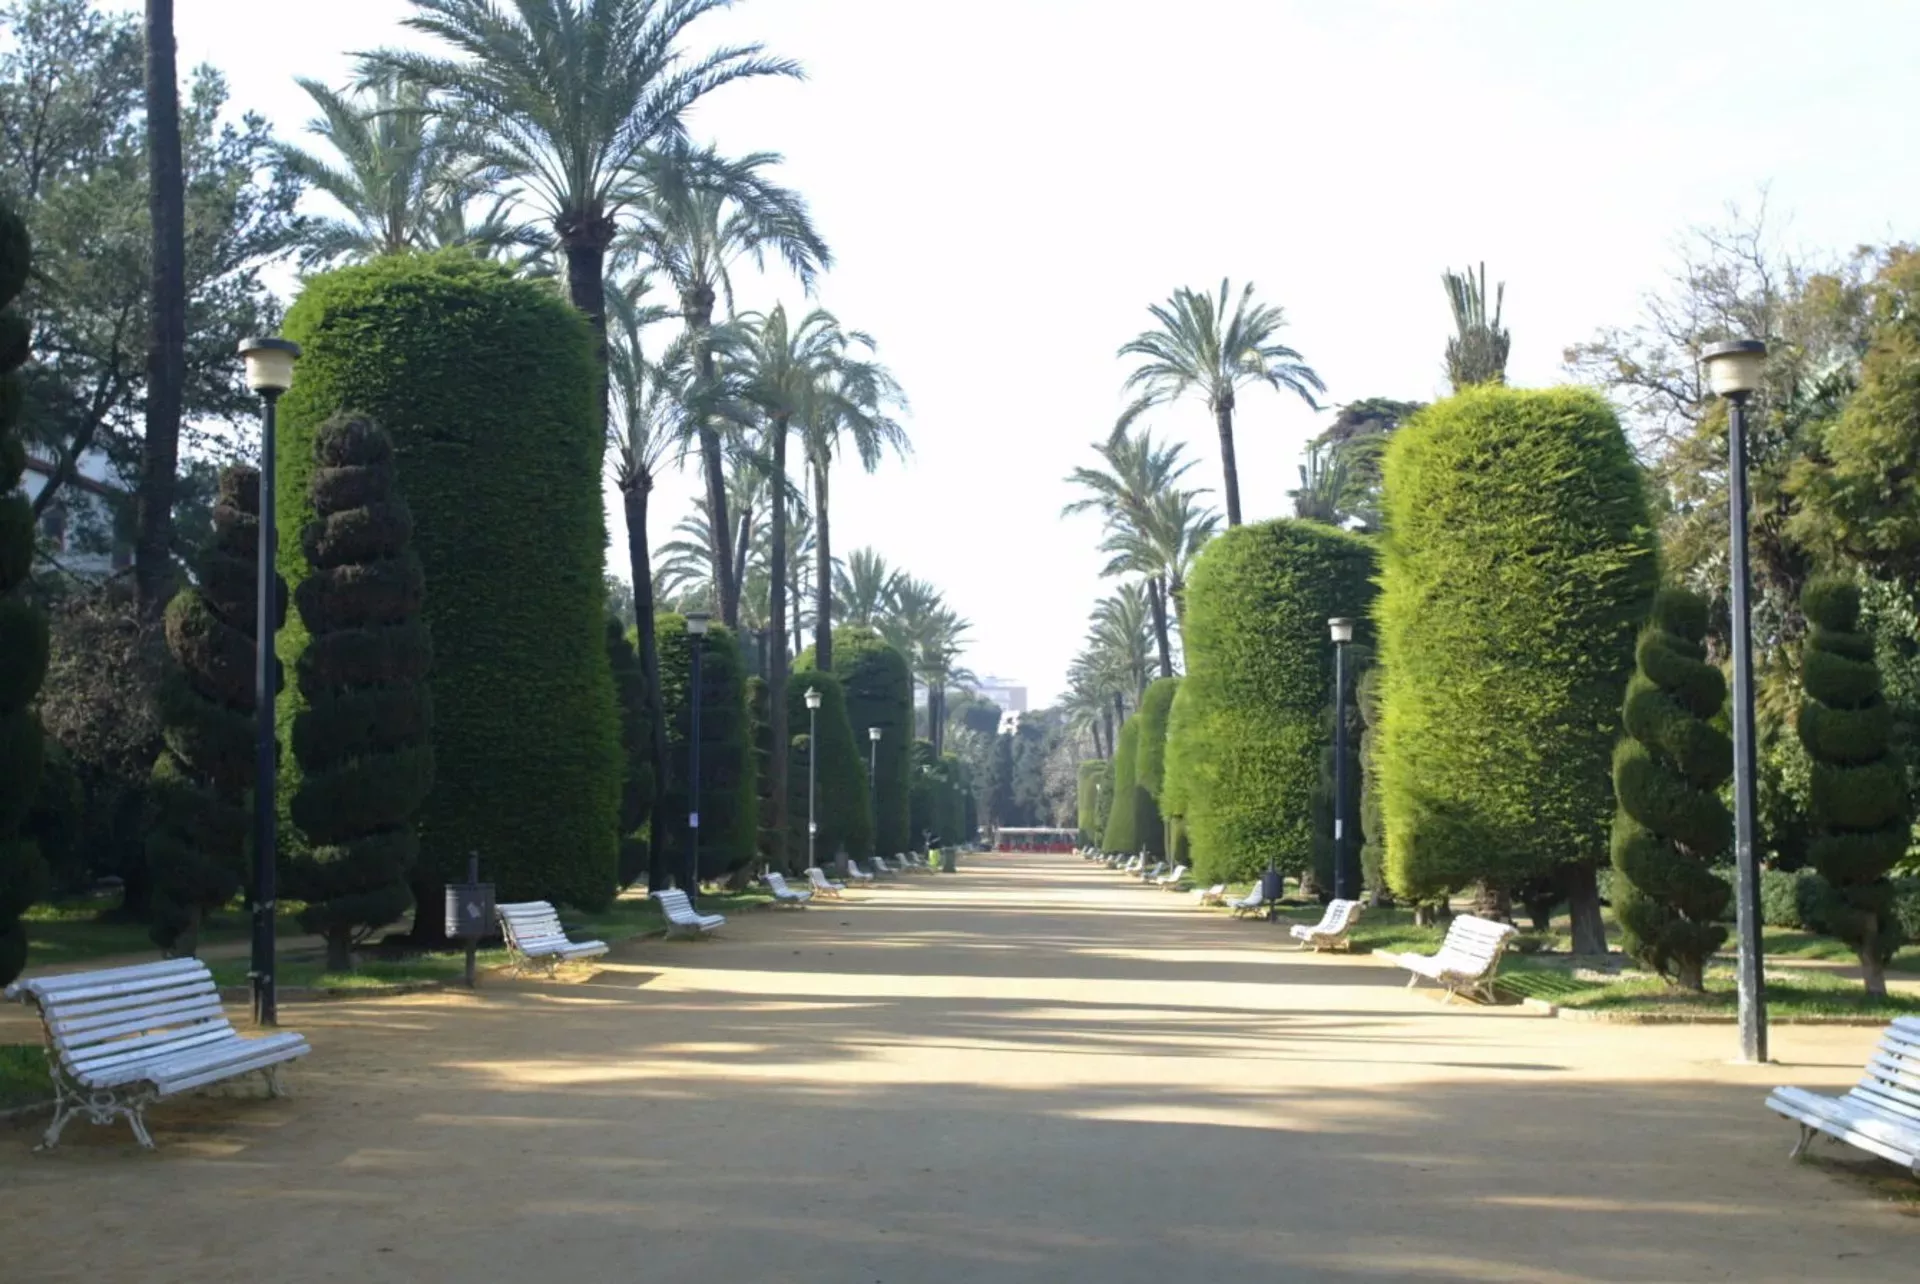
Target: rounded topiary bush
1857, 802
485, 384
1123, 820
1518, 568
729, 787
841, 797
1249, 723
1671, 827
879, 693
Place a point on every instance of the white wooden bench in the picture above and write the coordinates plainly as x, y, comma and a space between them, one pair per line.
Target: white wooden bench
119, 1039
683, 919
1880, 1114
535, 938
879, 867
857, 874
1330, 933
1215, 895
818, 880
1171, 880
782, 894
1252, 903
1467, 960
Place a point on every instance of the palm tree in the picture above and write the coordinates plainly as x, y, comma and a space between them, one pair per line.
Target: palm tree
853, 412
1123, 632
1327, 490
1162, 548
698, 215
863, 587
565, 100
1198, 347
166, 314
1478, 352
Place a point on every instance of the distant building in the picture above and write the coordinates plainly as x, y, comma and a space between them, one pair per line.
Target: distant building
1010, 695
79, 531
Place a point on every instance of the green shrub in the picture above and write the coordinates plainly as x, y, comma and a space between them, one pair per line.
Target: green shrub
1671, 826
729, 792
363, 737
485, 383
1858, 798
767, 843
636, 750
1373, 831
23, 630
1123, 821
1094, 797
198, 839
879, 693
1518, 567
1248, 725
842, 784
1150, 766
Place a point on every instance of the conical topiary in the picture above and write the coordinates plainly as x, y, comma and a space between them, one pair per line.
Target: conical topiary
1671, 826
197, 847
362, 737
23, 630
1858, 798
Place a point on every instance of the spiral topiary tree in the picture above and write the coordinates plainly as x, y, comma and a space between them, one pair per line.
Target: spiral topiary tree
362, 737
1123, 819
1858, 799
636, 750
1671, 827
199, 839
23, 630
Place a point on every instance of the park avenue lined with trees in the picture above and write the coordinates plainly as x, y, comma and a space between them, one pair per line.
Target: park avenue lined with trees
350, 624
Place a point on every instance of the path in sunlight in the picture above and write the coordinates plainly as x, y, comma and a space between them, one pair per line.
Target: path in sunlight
1033, 1070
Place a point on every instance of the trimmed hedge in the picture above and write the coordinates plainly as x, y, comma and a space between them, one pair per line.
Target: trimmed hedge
363, 741
1249, 722
1123, 821
729, 790
1858, 800
1519, 566
1094, 798
1373, 830
842, 781
23, 630
1671, 827
636, 750
485, 383
199, 835
1150, 768
879, 693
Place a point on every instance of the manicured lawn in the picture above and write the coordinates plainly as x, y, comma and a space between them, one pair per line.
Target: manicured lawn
23, 1075
636, 913
73, 931
310, 970
1790, 992
1793, 943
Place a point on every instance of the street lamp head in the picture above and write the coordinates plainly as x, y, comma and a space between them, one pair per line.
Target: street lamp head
1341, 628
269, 364
1734, 368
697, 622
873, 734
813, 697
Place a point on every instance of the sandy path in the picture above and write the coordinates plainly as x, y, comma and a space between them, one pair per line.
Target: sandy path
1031, 1072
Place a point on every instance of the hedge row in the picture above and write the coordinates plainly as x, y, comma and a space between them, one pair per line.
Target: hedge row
879, 693
729, 789
839, 794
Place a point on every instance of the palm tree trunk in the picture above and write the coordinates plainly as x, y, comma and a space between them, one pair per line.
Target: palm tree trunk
1223, 419
1107, 718
696, 306
585, 239
822, 571
640, 564
166, 316
1156, 595
740, 547
777, 760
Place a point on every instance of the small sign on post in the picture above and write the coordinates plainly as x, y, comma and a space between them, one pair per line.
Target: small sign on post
470, 912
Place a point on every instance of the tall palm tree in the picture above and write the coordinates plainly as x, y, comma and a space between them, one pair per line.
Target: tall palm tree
863, 587
697, 216
1198, 347
854, 413
1123, 632
564, 100
166, 314
1327, 491
1478, 351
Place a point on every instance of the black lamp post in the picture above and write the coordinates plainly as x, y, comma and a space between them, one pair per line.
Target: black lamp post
1734, 371
813, 774
873, 787
697, 630
269, 365
1344, 883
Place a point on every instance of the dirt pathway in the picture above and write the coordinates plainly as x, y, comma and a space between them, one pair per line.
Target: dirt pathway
1030, 1072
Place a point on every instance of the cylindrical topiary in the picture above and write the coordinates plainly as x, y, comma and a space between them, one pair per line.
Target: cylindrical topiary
636, 750
1671, 827
199, 838
1518, 568
1123, 819
879, 693
362, 737
485, 383
1150, 766
1373, 830
1858, 800
729, 790
921, 790
840, 797
23, 630
1249, 722
1095, 788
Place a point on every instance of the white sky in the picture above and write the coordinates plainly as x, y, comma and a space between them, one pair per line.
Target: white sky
1008, 184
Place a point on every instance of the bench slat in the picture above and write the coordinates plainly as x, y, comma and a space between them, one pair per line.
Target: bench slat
205, 1009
